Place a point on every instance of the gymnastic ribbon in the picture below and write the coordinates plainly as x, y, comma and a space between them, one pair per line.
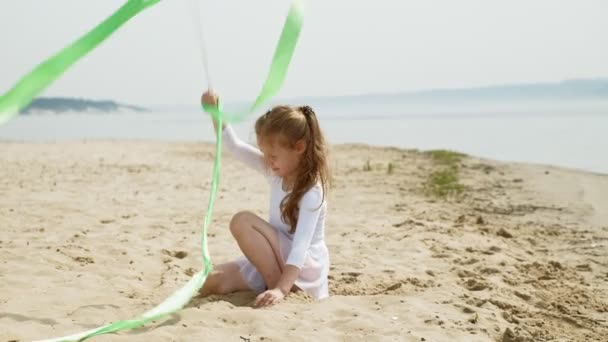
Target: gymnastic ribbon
32, 84
26, 89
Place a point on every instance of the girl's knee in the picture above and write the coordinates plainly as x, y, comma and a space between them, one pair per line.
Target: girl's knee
240, 220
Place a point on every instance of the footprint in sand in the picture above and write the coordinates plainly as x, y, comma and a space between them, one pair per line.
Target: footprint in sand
467, 261
492, 250
434, 321
475, 284
175, 254
522, 295
83, 260
466, 274
350, 277
489, 270
474, 281
504, 233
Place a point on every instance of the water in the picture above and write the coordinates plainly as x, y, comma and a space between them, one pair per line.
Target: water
571, 138
580, 142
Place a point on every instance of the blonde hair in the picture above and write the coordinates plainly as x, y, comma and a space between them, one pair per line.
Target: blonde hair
293, 124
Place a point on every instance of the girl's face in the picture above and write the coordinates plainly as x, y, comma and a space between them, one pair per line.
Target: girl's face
282, 159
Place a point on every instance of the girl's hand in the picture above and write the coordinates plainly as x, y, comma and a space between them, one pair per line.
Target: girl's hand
269, 297
209, 98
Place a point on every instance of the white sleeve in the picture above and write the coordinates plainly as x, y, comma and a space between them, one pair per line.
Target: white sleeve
244, 152
310, 209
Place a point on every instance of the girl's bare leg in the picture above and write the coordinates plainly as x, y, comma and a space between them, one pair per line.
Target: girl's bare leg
259, 242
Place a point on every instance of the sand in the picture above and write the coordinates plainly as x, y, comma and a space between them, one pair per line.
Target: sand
97, 231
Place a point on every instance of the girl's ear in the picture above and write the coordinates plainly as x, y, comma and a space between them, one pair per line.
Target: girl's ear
300, 146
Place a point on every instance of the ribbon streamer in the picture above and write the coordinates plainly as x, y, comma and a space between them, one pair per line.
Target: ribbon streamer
44, 74
48, 71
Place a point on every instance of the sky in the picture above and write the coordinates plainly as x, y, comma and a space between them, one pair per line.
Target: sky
346, 47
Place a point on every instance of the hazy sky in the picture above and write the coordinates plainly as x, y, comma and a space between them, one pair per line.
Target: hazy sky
347, 46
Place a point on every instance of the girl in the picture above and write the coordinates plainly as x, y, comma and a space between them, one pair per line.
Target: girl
287, 252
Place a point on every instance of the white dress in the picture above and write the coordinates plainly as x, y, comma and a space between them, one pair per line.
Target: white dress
304, 249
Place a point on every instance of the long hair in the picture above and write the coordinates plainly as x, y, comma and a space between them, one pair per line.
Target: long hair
293, 124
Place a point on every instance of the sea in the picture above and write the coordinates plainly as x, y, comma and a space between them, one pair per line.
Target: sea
572, 134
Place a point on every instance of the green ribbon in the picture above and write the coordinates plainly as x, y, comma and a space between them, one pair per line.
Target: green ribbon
278, 68
18, 97
48, 71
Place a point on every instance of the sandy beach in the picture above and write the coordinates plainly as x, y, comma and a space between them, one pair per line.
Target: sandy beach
97, 231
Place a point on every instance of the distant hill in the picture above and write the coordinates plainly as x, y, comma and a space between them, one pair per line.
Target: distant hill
59, 105
578, 89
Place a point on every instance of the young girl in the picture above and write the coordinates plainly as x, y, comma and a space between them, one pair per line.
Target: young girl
287, 252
